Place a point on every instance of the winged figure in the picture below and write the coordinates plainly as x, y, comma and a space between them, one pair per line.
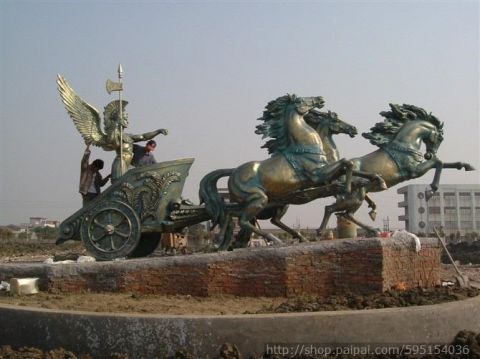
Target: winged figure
87, 120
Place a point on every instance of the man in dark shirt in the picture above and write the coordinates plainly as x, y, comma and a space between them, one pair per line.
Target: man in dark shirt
143, 156
90, 178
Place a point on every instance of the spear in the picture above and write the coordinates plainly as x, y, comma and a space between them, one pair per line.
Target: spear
120, 75
118, 86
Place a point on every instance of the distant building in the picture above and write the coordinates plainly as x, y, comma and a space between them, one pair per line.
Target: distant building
42, 222
37, 222
455, 207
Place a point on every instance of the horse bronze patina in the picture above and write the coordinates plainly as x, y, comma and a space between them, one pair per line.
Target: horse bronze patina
299, 163
400, 137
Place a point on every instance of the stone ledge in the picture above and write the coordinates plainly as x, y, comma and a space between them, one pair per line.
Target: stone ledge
151, 336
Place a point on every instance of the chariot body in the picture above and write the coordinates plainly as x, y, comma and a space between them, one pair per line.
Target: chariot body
129, 218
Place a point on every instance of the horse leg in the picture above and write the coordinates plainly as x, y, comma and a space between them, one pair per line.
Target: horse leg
255, 203
225, 235
329, 210
373, 206
276, 220
243, 237
331, 171
372, 177
439, 165
459, 166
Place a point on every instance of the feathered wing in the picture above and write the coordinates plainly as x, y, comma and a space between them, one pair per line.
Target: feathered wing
85, 117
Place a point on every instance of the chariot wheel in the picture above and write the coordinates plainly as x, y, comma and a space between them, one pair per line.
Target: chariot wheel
147, 245
110, 230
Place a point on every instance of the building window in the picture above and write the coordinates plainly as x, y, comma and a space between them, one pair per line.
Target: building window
434, 200
477, 213
465, 199
449, 199
477, 198
433, 210
451, 225
466, 225
465, 213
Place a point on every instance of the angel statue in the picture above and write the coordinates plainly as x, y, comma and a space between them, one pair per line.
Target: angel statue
87, 120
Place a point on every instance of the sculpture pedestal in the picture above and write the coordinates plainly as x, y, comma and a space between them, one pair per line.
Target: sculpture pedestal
362, 266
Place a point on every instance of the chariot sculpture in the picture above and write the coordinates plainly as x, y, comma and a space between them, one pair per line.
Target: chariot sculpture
128, 219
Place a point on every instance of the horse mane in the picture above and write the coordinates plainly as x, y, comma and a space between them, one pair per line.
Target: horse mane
273, 125
384, 132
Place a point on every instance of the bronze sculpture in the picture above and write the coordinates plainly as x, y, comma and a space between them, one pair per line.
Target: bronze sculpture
399, 158
298, 164
128, 219
87, 120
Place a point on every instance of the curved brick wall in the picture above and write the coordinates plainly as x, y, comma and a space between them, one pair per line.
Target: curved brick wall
320, 268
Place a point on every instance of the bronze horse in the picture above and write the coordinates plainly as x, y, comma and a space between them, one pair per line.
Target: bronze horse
298, 163
400, 137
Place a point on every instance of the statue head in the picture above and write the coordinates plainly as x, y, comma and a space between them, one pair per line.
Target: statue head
111, 115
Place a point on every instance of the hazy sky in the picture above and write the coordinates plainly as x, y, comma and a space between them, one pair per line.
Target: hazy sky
205, 71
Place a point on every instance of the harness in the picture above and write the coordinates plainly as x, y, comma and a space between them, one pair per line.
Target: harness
405, 158
292, 154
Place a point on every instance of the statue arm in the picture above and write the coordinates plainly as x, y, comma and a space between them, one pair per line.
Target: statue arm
85, 158
148, 135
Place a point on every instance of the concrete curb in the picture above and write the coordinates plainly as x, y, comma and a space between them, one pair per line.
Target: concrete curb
147, 336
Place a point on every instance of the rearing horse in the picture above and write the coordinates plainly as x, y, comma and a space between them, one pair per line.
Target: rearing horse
400, 137
298, 162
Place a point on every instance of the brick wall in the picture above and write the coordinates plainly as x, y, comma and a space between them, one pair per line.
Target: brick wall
322, 268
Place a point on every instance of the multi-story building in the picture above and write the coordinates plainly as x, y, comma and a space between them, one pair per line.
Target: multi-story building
455, 207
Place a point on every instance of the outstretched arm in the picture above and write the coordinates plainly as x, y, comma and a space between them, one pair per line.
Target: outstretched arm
86, 156
149, 135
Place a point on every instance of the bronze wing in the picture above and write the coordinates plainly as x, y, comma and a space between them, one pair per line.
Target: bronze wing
85, 117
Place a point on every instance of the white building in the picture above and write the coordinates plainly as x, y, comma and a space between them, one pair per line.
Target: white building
455, 207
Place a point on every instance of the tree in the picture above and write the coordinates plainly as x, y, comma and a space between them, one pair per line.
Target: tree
5, 233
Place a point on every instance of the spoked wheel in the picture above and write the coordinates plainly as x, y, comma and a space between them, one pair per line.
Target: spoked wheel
147, 245
111, 230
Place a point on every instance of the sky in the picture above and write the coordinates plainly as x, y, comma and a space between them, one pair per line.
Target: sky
205, 71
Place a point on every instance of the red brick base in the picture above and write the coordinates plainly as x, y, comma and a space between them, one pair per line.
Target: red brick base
330, 267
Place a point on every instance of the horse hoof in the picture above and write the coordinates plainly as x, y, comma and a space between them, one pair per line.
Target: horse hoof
275, 240
383, 185
372, 214
469, 168
428, 195
302, 239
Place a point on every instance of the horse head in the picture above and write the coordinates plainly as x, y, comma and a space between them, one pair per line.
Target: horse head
331, 122
303, 105
432, 139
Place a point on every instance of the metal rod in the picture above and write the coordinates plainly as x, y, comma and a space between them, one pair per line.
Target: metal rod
446, 250
120, 75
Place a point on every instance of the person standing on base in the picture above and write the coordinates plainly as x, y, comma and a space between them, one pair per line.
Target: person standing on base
143, 156
90, 178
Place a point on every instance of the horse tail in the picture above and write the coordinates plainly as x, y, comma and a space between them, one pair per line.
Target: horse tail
209, 195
